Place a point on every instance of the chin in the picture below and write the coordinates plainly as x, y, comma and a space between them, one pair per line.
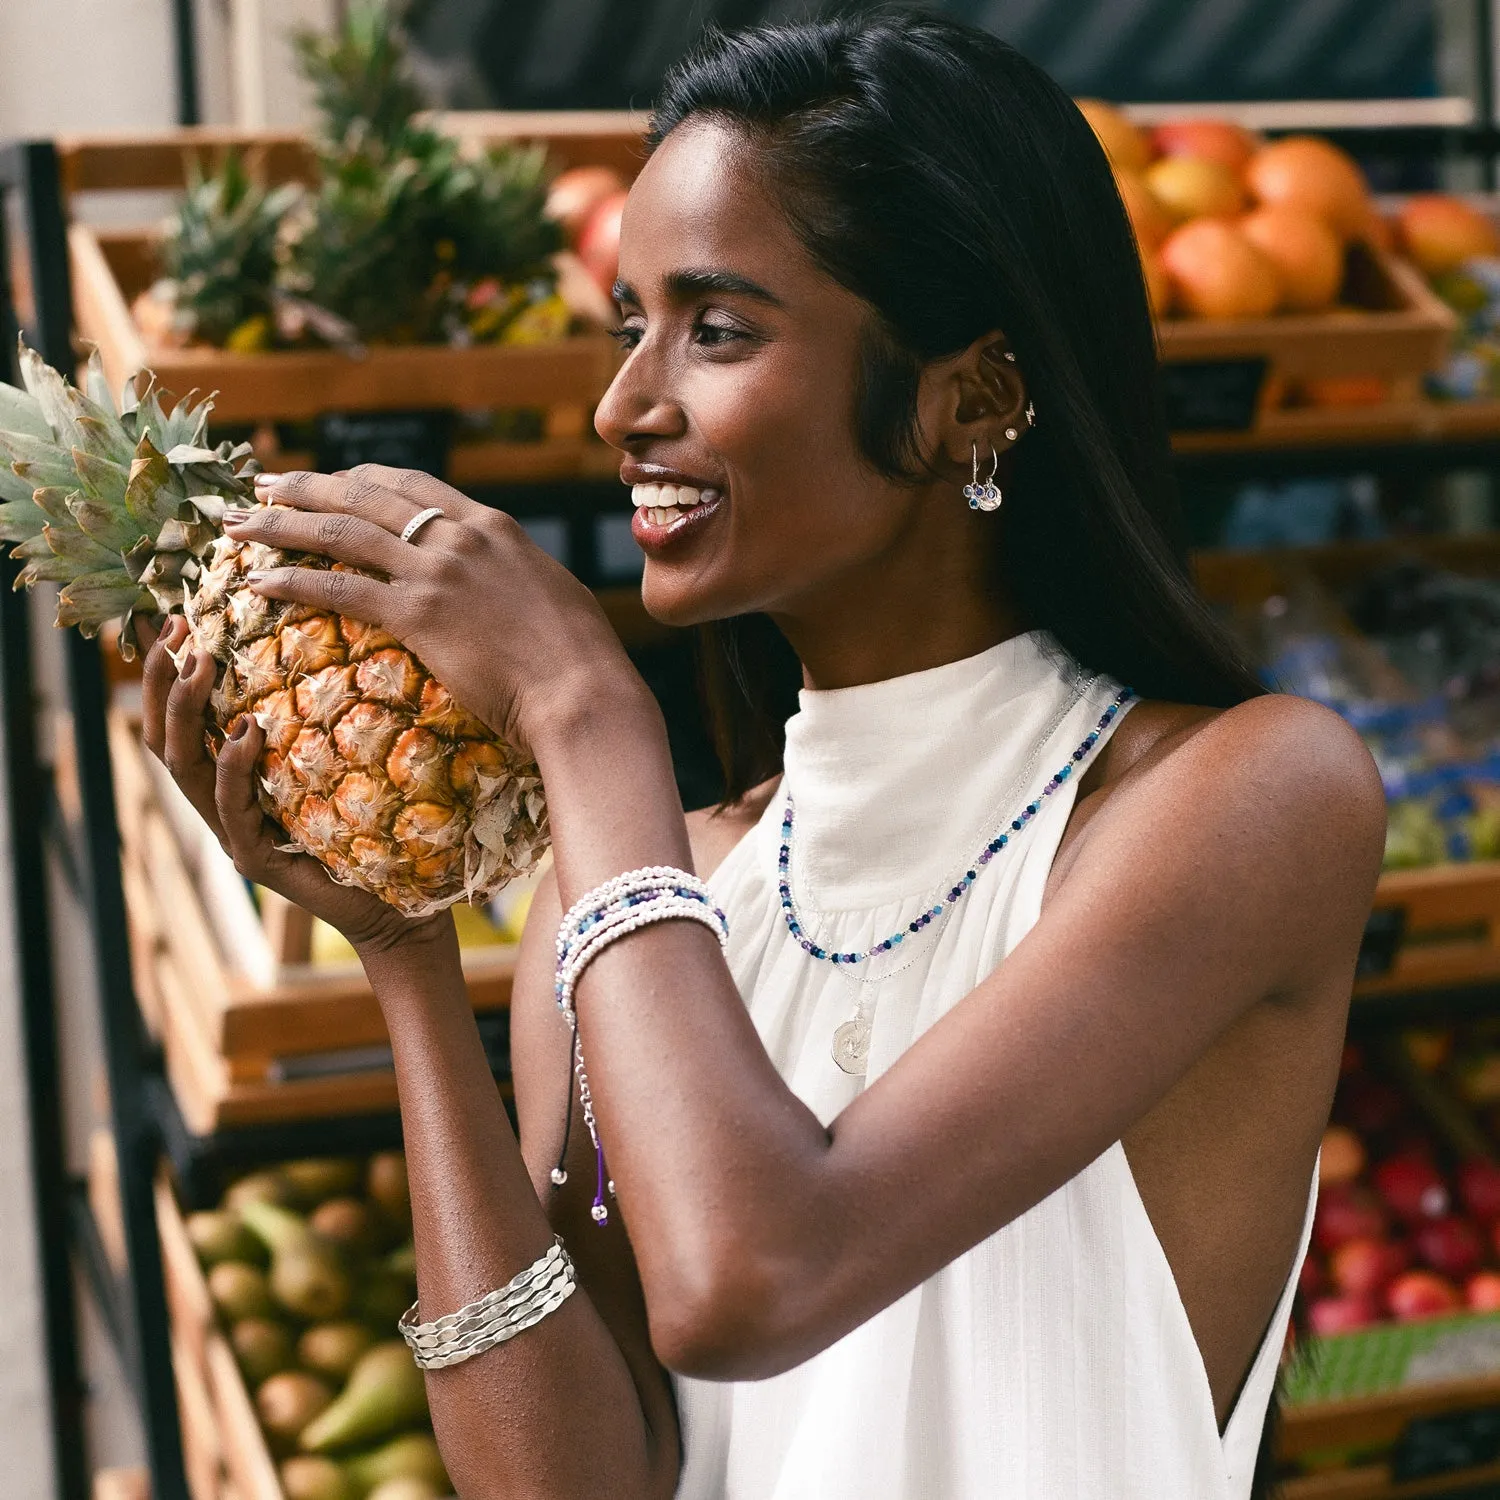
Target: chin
681, 602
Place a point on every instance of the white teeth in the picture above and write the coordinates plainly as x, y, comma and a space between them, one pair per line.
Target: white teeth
665, 496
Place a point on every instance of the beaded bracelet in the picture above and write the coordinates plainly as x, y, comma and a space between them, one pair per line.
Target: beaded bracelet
521, 1303
622, 905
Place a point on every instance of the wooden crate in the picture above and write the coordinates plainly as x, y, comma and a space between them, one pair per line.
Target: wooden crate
221, 1437
228, 991
562, 380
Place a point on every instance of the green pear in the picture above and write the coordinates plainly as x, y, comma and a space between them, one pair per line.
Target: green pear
262, 1346
385, 1393
333, 1349
218, 1235
319, 1177
406, 1488
287, 1402
386, 1183
259, 1187
413, 1455
239, 1291
349, 1223
308, 1477
308, 1275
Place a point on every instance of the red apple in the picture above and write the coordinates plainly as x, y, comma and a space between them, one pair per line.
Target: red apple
599, 241
1346, 1213
1421, 1294
575, 194
1483, 1291
1451, 1246
1329, 1315
1363, 1267
1479, 1187
1412, 1187
1310, 1279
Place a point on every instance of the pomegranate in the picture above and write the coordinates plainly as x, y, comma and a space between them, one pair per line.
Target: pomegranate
1151, 222
599, 243
1306, 172
1214, 140
1123, 144
1330, 1315
1342, 1157
1412, 1187
1479, 1188
1305, 251
1451, 1246
1194, 187
1482, 1291
576, 193
1217, 273
1421, 1294
1364, 1267
1440, 232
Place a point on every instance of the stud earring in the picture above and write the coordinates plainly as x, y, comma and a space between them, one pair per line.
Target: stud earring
983, 494
1011, 434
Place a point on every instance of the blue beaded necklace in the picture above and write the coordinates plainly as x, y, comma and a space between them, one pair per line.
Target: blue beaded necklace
960, 889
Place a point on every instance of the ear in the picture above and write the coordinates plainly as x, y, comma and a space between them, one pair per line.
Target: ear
973, 399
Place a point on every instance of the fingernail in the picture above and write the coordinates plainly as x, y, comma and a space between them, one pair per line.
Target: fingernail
258, 575
265, 481
188, 664
236, 517
241, 724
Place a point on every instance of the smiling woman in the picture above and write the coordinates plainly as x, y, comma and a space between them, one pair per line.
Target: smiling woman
952, 1093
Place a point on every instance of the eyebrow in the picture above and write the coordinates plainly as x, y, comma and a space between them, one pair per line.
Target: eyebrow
693, 281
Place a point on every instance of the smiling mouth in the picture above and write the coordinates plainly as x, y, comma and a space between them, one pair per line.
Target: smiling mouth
664, 504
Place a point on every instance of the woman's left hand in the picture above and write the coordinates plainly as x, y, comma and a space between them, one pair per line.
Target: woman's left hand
514, 636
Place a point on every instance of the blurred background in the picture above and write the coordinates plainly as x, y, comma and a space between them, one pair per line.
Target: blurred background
212, 187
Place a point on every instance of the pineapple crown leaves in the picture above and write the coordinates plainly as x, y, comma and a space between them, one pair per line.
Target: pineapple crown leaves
119, 509
361, 78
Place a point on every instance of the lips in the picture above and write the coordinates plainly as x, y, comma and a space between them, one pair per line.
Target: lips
666, 512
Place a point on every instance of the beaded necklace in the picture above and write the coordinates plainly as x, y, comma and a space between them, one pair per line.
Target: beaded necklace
849, 1049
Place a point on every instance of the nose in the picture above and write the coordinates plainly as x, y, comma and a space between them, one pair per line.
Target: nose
637, 408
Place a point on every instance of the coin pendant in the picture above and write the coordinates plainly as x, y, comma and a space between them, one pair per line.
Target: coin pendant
851, 1047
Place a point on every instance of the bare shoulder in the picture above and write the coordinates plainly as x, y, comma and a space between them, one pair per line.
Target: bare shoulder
1276, 778
714, 831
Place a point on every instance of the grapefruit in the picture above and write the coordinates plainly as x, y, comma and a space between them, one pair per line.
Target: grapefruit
1306, 172
1213, 140
1440, 232
1123, 144
1192, 187
1305, 251
1151, 222
1217, 273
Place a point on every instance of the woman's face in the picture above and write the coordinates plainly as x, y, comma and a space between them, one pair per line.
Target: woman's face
740, 385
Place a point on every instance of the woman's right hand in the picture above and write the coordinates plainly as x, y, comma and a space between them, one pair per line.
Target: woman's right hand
173, 702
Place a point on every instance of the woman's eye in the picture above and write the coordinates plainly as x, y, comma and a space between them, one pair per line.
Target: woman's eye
626, 335
714, 334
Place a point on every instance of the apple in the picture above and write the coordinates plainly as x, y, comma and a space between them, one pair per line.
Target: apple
1482, 1291
1342, 1157
1421, 1294
1364, 1267
1345, 1213
599, 242
1193, 187
1123, 144
1479, 1188
576, 193
1411, 1187
1441, 232
1330, 1315
1217, 273
1214, 140
1451, 1246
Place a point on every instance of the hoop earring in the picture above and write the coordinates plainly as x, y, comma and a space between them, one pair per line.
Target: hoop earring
984, 494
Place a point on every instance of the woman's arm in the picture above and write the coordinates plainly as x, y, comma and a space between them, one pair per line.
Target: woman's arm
575, 1406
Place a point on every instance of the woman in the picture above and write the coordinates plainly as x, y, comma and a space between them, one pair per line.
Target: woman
895, 1219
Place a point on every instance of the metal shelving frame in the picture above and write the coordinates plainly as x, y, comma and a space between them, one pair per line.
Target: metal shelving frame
147, 1124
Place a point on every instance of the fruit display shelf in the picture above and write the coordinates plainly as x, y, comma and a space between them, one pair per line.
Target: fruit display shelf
252, 1030
382, 398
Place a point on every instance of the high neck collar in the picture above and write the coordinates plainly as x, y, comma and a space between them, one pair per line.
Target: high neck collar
894, 780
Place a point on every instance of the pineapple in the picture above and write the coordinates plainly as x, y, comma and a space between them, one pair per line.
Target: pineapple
368, 763
219, 259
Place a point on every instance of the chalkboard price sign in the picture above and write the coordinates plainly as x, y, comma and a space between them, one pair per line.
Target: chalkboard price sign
1212, 395
398, 439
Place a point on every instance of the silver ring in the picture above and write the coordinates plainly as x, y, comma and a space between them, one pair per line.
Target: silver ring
419, 520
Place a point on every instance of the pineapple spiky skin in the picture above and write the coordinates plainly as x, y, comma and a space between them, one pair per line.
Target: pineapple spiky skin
368, 764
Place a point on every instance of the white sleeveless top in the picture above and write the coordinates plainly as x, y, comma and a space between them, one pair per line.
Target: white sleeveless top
1054, 1361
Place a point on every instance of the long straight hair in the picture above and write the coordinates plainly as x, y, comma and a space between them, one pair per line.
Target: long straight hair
934, 172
